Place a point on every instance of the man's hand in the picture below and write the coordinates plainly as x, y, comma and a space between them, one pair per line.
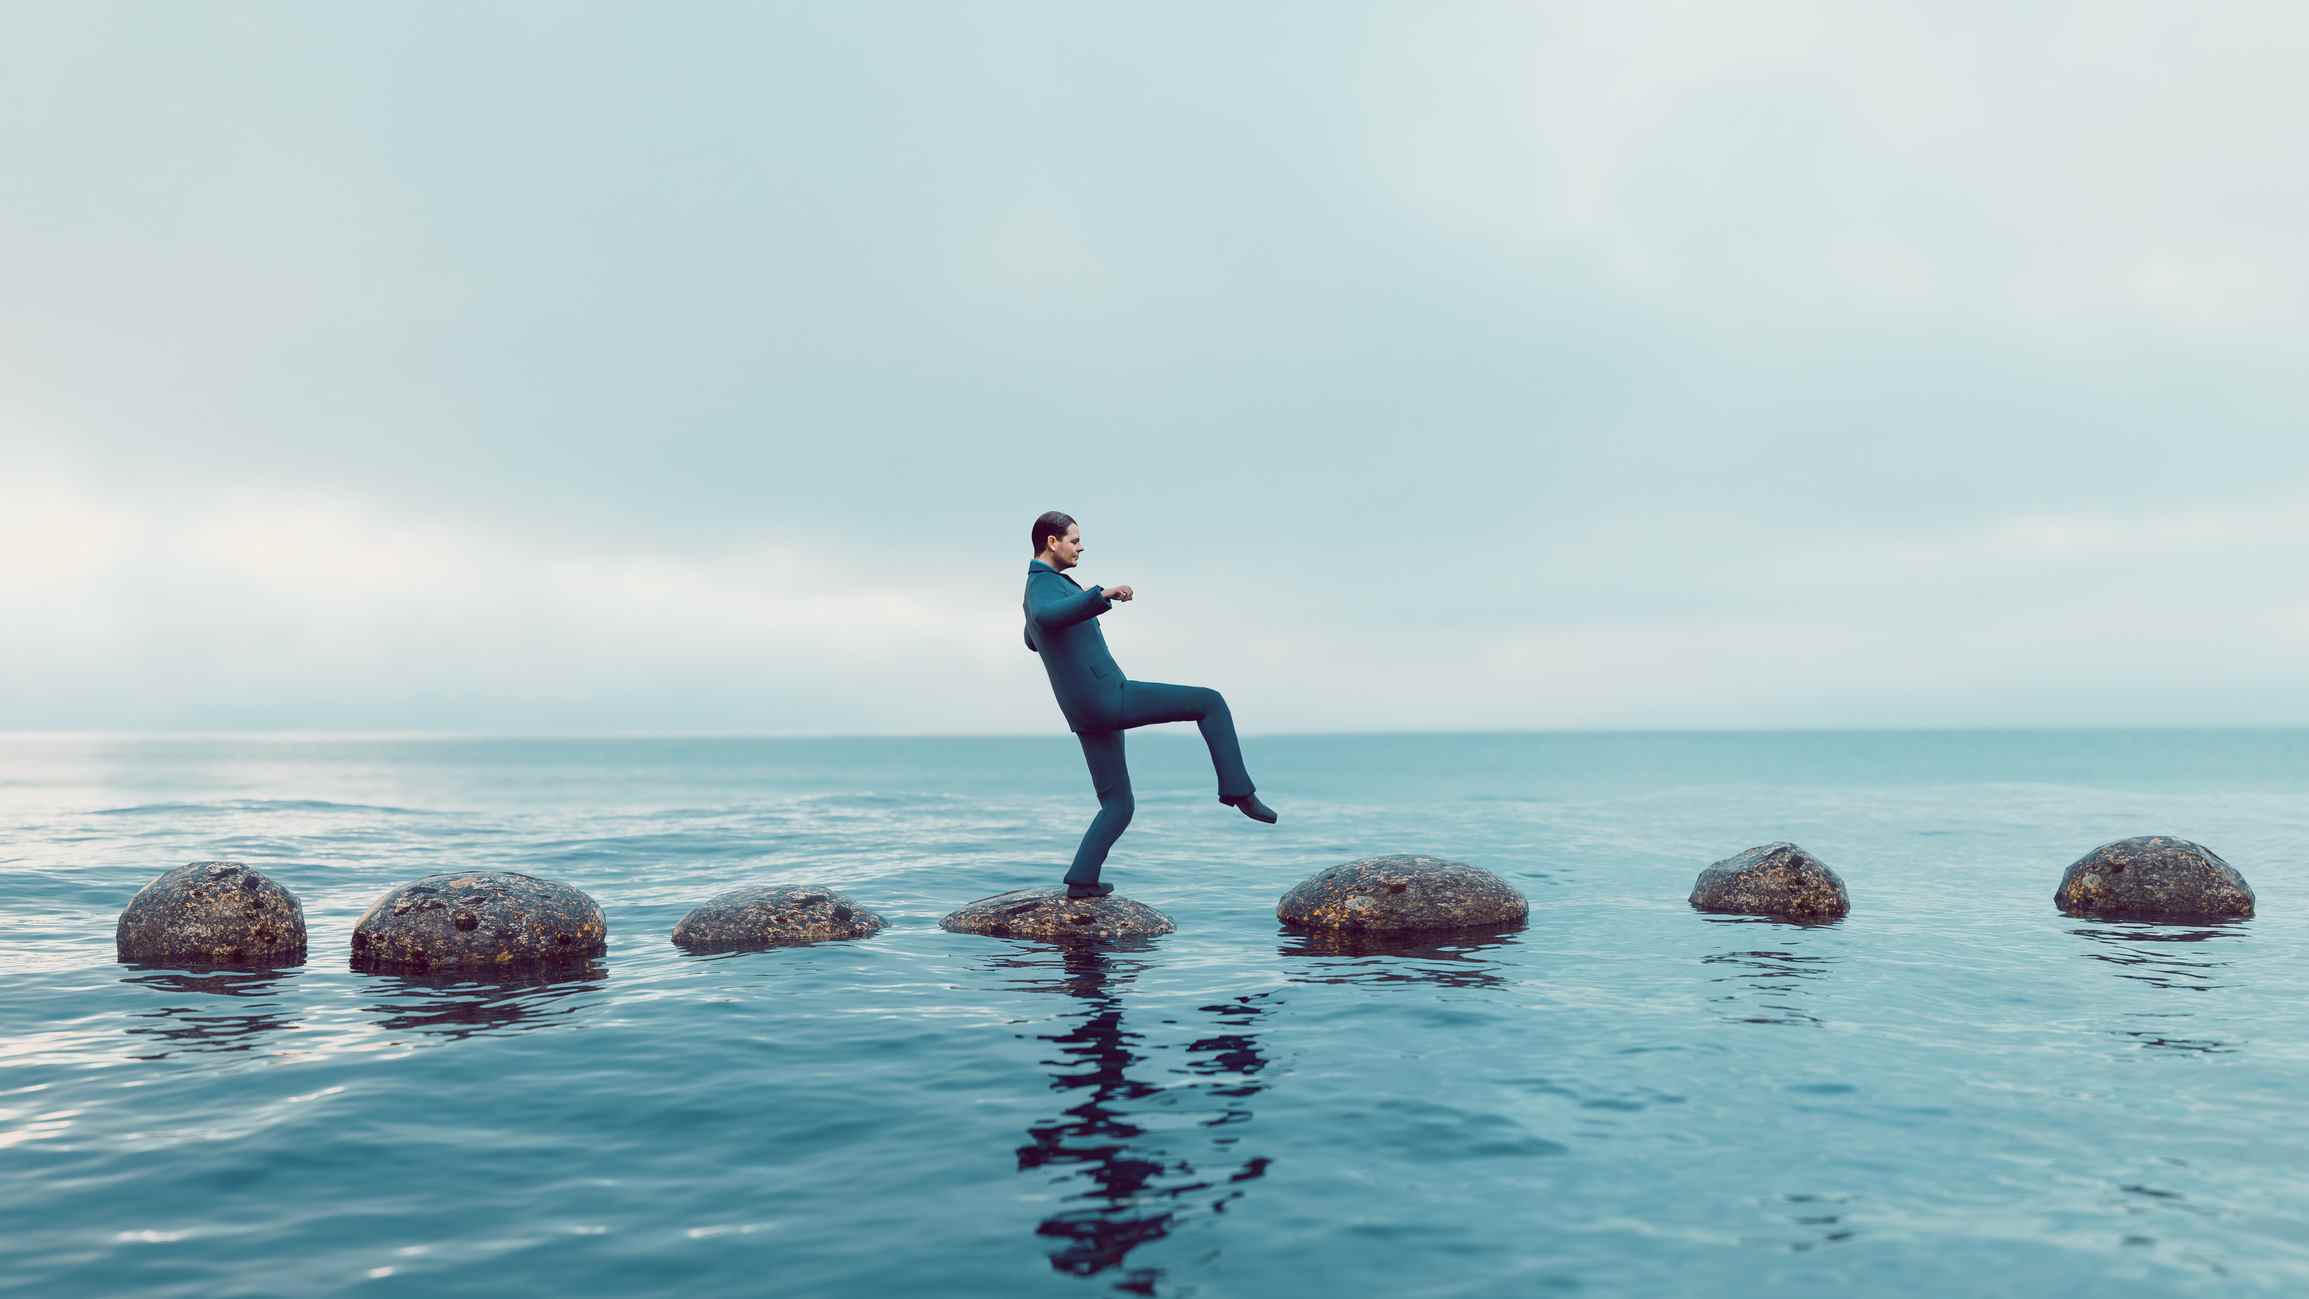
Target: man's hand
1120, 594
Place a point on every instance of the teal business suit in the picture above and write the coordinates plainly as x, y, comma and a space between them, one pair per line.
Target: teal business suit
1100, 703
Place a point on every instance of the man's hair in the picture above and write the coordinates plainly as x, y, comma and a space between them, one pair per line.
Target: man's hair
1050, 523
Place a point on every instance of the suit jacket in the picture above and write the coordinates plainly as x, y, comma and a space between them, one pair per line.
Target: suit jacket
1062, 626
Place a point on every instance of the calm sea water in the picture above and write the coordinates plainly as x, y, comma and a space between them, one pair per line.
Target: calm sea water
1955, 1091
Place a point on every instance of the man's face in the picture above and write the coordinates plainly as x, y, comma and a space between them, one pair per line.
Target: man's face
1066, 551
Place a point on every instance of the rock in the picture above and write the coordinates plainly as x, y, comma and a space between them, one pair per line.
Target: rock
1776, 879
772, 915
478, 921
212, 913
1047, 913
1402, 894
2154, 877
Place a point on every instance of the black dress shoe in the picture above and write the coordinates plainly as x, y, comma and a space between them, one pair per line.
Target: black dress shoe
1250, 806
1088, 890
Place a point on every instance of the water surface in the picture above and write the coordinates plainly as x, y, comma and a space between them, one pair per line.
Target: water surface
1956, 1090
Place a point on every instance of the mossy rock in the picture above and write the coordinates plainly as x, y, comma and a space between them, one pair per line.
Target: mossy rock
1773, 879
212, 913
2154, 877
758, 916
479, 921
1405, 893
1048, 914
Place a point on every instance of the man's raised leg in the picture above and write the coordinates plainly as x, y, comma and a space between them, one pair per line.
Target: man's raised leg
1146, 703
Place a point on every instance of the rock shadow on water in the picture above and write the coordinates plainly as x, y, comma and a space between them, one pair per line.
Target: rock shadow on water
1113, 1154
209, 1009
2172, 958
1451, 959
454, 1007
1769, 978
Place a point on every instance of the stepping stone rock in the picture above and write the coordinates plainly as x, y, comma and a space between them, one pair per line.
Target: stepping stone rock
212, 913
1047, 913
2154, 877
479, 921
1776, 879
1406, 893
772, 915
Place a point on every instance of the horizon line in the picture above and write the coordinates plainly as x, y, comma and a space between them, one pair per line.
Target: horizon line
453, 735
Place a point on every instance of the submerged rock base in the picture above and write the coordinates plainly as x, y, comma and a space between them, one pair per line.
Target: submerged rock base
2154, 877
479, 921
1047, 913
1774, 879
1407, 893
758, 916
212, 913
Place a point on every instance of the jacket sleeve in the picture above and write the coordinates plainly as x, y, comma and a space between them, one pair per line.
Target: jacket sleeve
1051, 604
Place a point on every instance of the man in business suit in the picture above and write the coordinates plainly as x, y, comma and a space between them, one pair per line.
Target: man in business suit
1100, 703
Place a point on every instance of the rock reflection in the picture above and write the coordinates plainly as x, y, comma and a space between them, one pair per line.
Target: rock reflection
1823, 1219
1126, 1184
465, 1007
2169, 957
1450, 959
195, 1022
1767, 983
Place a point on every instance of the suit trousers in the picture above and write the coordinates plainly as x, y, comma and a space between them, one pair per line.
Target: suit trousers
1145, 703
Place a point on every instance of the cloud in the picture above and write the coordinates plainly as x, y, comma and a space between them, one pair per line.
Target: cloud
2034, 174
338, 611
341, 613
1039, 243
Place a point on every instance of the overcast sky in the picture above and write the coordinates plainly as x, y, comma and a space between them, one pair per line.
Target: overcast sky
563, 368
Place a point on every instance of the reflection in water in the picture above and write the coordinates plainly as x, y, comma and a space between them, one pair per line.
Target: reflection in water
2168, 957
464, 1007
1766, 983
1821, 1216
2143, 1206
1371, 959
1125, 1184
189, 1023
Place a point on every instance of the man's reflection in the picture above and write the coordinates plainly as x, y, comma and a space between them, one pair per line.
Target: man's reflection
2169, 957
194, 1019
1126, 1186
1765, 980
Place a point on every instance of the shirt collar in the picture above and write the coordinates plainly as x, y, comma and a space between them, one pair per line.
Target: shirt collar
1034, 566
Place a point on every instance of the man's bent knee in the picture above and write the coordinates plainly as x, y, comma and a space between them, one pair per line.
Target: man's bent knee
1117, 808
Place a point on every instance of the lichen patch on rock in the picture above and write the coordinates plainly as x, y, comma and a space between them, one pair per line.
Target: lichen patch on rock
1404, 893
212, 913
1773, 879
1048, 914
479, 921
2154, 877
758, 916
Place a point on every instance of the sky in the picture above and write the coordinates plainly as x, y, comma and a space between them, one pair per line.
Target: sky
574, 369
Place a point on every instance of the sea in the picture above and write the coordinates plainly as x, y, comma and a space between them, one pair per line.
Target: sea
1954, 1091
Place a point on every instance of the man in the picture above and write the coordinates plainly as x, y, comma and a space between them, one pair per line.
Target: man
1100, 703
